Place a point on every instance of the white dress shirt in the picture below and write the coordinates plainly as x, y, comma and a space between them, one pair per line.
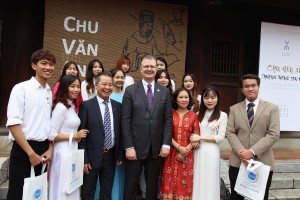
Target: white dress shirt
102, 109
30, 106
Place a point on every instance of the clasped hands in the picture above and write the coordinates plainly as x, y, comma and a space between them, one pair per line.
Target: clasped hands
245, 155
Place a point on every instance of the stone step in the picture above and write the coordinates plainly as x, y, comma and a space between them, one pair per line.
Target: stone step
287, 166
285, 194
3, 190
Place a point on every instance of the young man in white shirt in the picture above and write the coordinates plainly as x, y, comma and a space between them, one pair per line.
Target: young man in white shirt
28, 112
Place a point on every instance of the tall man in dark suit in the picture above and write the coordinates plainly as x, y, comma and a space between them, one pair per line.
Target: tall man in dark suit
146, 130
101, 116
252, 129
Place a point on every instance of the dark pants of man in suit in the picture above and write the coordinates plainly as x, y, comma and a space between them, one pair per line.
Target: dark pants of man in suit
106, 174
19, 160
233, 174
133, 171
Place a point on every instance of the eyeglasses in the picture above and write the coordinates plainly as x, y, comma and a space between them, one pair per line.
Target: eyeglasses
250, 86
148, 66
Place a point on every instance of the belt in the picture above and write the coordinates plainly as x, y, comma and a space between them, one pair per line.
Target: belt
106, 151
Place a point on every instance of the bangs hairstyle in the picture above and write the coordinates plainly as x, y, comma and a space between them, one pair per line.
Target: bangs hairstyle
161, 59
66, 66
63, 91
89, 75
42, 54
123, 60
116, 70
194, 91
216, 113
159, 73
175, 95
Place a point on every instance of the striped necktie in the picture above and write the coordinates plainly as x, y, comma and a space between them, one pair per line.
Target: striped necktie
250, 113
107, 127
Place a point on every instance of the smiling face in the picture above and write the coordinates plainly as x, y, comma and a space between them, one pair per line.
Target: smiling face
97, 69
183, 100
74, 90
163, 79
250, 89
210, 100
104, 87
71, 70
125, 67
148, 69
118, 79
188, 83
43, 70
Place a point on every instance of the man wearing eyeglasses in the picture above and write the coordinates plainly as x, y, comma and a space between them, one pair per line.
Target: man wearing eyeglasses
146, 130
252, 129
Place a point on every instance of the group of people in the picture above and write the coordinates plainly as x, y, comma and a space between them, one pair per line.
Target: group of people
143, 134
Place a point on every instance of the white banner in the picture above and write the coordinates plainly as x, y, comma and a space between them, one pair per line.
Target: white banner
279, 70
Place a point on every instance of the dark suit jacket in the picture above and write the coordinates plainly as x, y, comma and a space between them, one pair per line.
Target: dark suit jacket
91, 119
142, 127
260, 137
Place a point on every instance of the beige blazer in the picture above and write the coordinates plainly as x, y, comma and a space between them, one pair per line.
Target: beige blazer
260, 137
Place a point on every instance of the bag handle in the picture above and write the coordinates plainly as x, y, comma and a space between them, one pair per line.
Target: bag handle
253, 165
32, 173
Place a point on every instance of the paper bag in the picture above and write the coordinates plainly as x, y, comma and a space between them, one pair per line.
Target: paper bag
251, 181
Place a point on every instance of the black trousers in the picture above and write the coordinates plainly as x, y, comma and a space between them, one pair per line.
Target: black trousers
20, 167
106, 173
233, 174
133, 169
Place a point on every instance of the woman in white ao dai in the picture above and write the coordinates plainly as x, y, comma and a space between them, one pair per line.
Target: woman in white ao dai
207, 157
64, 124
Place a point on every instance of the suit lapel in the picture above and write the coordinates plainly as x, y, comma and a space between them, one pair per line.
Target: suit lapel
97, 110
115, 114
242, 108
141, 91
261, 106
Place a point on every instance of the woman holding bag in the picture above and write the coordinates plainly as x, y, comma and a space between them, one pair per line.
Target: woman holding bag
64, 125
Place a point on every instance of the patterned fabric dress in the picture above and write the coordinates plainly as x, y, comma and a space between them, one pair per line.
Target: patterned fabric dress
177, 176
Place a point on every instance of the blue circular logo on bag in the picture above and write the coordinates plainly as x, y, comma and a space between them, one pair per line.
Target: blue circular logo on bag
73, 167
37, 194
252, 176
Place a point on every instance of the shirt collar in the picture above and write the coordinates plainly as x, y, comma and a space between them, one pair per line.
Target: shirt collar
37, 85
100, 100
146, 84
255, 102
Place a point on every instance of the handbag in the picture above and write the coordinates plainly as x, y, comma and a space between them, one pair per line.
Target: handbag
73, 168
36, 187
251, 181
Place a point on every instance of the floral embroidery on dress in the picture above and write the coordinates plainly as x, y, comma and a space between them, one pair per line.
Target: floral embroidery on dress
214, 127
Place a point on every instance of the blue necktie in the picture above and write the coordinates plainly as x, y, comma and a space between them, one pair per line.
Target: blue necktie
107, 127
149, 96
250, 113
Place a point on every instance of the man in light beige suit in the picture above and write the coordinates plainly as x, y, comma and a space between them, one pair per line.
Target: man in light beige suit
255, 140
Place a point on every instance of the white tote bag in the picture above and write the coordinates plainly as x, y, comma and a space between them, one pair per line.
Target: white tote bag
36, 187
251, 181
73, 168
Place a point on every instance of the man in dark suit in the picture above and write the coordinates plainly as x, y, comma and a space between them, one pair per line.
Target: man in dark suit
101, 116
146, 130
251, 131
